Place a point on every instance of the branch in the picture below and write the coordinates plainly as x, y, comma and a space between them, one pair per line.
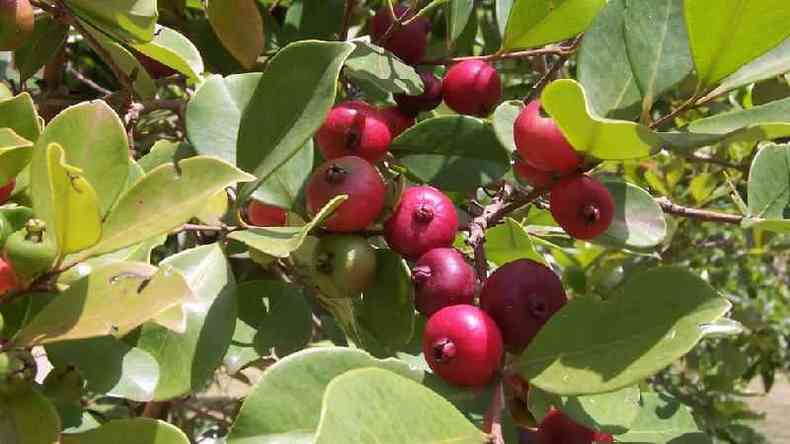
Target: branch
558, 50
696, 213
347, 19
88, 82
555, 67
493, 419
712, 160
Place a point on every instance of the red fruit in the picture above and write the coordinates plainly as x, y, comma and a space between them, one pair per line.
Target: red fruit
409, 42
155, 69
358, 179
472, 87
462, 344
556, 428
6, 190
541, 144
532, 175
428, 100
264, 215
397, 121
17, 20
582, 206
442, 278
521, 296
423, 220
354, 128
8, 280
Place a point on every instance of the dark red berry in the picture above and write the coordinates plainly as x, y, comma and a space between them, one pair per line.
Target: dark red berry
582, 206
409, 42
6, 190
541, 144
423, 220
354, 128
442, 278
352, 176
155, 69
556, 428
521, 296
462, 344
472, 87
430, 98
532, 175
264, 215
397, 120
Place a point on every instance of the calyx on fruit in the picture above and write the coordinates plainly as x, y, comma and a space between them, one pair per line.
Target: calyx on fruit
16, 367
28, 252
343, 265
354, 177
463, 345
582, 206
355, 128
424, 219
442, 278
521, 296
407, 42
472, 87
16, 23
541, 144
265, 215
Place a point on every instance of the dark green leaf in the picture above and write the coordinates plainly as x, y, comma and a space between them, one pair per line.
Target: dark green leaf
638, 222
48, 36
374, 64
664, 420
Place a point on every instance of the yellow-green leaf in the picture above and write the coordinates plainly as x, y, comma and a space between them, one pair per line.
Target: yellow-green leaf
15, 153
239, 26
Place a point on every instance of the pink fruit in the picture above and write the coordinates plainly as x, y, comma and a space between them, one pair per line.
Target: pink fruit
541, 144
408, 42
582, 206
532, 175
472, 87
264, 215
423, 220
397, 120
354, 128
443, 278
556, 428
8, 279
428, 100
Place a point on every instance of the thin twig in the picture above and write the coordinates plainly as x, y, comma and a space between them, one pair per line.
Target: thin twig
558, 50
88, 82
552, 71
712, 160
493, 419
696, 213
347, 19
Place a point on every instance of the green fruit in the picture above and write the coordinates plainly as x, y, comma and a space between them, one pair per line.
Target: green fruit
343, 265
29, 253
16, 366
16, 23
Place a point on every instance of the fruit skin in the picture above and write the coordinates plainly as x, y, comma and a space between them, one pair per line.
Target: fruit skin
427, 101
472, 87
442, 278
582, 206
8, 279
556, 428
541, 144
265, 215
521, 296
409, 42
16, 23
397, 120
354, 128
424, 219
344, 265
28, 252
463, 345
7, 189
532, 175
358, 179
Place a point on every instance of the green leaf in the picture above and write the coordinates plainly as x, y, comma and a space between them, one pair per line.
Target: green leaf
239, 26
770, 64
612, 412
48, 37
171, 48
187, 361
376, 405
605, 139
374, 64
130, 431
313, 19
284, 187
657, 44
109, 366
277, 124
604, 68
165, 198
19, 114
701, 186
503, 120
288, 397
89, 307
508, 242
15, 154
663, 420
503, 8
573, 355
27, 417
638, 223
737, 32
385, 315
768, 121
454, 153
282, 241
94, 140
127, 20
537, 22
163, 152
458, 14
213, 114
769, 183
